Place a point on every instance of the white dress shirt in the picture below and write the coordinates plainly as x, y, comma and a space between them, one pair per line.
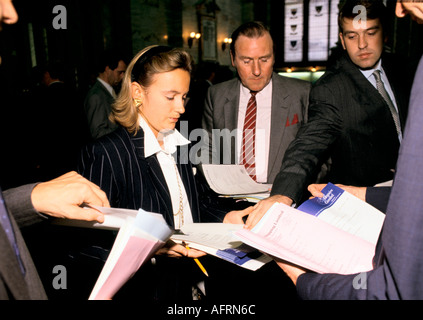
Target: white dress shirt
263, 120
166, 157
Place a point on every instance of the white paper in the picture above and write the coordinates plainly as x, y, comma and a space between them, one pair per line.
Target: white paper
212, 237
114, 218
231, 180
346, 212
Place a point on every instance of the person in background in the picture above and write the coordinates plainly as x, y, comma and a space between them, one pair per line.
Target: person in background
99, 99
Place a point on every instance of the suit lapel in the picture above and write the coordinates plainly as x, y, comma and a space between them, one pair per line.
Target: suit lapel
279, 115
396, 82
232, 103
230, 111
156, 176
367, 97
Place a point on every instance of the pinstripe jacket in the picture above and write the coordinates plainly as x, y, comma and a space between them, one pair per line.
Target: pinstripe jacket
116, 163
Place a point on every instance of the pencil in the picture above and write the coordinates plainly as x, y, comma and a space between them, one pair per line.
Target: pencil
197, 261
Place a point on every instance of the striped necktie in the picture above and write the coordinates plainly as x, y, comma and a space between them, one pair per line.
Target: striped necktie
381, 88
8, 229
248, 152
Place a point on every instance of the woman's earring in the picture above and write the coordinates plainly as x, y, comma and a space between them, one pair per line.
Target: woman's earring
138, 103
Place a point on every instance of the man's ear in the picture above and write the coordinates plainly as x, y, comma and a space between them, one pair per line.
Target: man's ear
341, 37
232, 59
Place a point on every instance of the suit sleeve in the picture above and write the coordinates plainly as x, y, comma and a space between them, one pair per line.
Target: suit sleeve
304, 156
19, 204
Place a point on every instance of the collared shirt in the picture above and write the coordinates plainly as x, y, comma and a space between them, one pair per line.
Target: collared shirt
369, 76
108, 87
171, 139
262, 140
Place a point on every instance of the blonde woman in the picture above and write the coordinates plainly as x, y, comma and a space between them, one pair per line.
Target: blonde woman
138, 164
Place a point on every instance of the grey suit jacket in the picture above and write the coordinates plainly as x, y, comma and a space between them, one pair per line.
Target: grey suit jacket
289, 103
398, 270
98, 106
13, 284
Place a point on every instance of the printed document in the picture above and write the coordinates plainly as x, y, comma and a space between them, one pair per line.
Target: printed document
338, 234
232, 180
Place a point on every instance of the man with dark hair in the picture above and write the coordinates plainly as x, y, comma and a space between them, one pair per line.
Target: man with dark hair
356, 116
99, 100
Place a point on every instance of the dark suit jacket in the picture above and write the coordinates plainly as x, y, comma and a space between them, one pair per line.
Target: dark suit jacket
13, 285
289, 103
349, 122
98, 106
398, 263
378, 197
116, 163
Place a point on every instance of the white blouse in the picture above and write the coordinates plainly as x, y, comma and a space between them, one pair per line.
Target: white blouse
166, 157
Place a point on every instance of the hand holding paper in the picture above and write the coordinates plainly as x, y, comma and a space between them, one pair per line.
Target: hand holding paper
333, 234
176, 250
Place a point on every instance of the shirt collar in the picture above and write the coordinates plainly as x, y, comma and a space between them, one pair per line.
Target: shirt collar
264, 91
108, 87
171, 139
369, 73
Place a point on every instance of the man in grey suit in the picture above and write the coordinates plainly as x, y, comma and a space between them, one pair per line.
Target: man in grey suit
281, 104
99, 100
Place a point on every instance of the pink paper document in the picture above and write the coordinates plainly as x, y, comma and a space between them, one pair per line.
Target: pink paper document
138, 240
136, 251
307, 241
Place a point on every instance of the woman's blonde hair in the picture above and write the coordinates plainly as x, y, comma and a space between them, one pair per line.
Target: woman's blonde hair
142, 69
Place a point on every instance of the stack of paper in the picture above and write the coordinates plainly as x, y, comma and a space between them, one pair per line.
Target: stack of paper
338, 234
218, 239
137, 241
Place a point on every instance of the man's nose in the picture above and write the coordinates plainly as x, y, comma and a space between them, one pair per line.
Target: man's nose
362, 42
256, 68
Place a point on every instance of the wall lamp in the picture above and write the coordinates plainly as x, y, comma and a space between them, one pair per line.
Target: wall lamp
225, 42
192, 36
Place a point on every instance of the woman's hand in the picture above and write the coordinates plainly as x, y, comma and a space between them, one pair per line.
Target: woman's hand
175, 250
